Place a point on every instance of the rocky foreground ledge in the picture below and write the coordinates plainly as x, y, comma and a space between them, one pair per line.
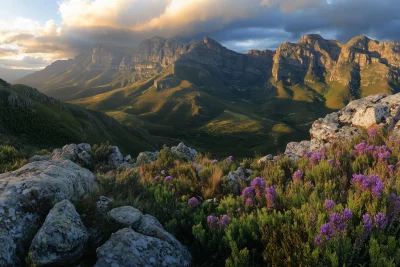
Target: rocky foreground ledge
37, 215
375, 111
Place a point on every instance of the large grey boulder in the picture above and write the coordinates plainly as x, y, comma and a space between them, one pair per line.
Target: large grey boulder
116, 158
61, 239
150, 226
127, 248
188, 152
380, 111
27, 194
125, 216
147, 157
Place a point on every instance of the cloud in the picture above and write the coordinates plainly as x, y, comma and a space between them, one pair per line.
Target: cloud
287, 6
237, 24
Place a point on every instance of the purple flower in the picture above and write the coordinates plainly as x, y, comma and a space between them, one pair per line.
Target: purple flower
380, 220
248, 192
214, 161
249, 202
371, 183
316, 158
339, 220
318, 240
224, 221
157, 178
367, 223
372, 132
331, 161
168, 180
229, 159
329, 204
270, 196
212, 222
193, 203
347, 214
258, 184
335, 218
327, 231
298, 175
271, 193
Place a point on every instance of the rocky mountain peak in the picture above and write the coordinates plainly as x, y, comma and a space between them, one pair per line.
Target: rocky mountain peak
311, 38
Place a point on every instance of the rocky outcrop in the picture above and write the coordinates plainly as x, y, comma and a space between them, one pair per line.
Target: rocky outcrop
27, 194
234, 180
116, 158
381, 111
61, 239
125, 216
186, 151
147, 157
127, 248
143, 235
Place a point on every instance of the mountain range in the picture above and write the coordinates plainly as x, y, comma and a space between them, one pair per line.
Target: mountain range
220, 100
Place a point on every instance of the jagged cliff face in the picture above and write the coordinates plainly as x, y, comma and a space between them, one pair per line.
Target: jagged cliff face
326, 69
311, 58
359, 63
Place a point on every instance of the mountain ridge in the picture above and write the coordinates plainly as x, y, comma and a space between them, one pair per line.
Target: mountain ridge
201, 92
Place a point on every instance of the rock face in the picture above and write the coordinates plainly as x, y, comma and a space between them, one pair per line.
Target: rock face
147, 157
29, 193
360, 62
380, 111
188, 152
61, 239
127, 248
125, 216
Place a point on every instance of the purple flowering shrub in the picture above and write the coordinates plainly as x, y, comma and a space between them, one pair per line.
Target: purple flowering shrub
334, 207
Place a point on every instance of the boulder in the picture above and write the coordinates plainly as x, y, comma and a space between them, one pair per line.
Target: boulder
39, 158
126, 216
297, 149
150, 226
188, 152
234, 178
127, 248
84, 147
115, 159
27, 194
61, 239
266, 159
379, 111
128, 158
147, 157
67, 152
85, 158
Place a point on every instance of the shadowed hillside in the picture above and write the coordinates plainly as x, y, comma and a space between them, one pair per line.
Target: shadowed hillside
46, 122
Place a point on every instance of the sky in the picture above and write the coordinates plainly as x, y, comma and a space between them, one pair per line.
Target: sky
34, 33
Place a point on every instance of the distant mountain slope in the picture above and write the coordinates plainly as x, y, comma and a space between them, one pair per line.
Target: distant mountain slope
44, 121
12, 75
